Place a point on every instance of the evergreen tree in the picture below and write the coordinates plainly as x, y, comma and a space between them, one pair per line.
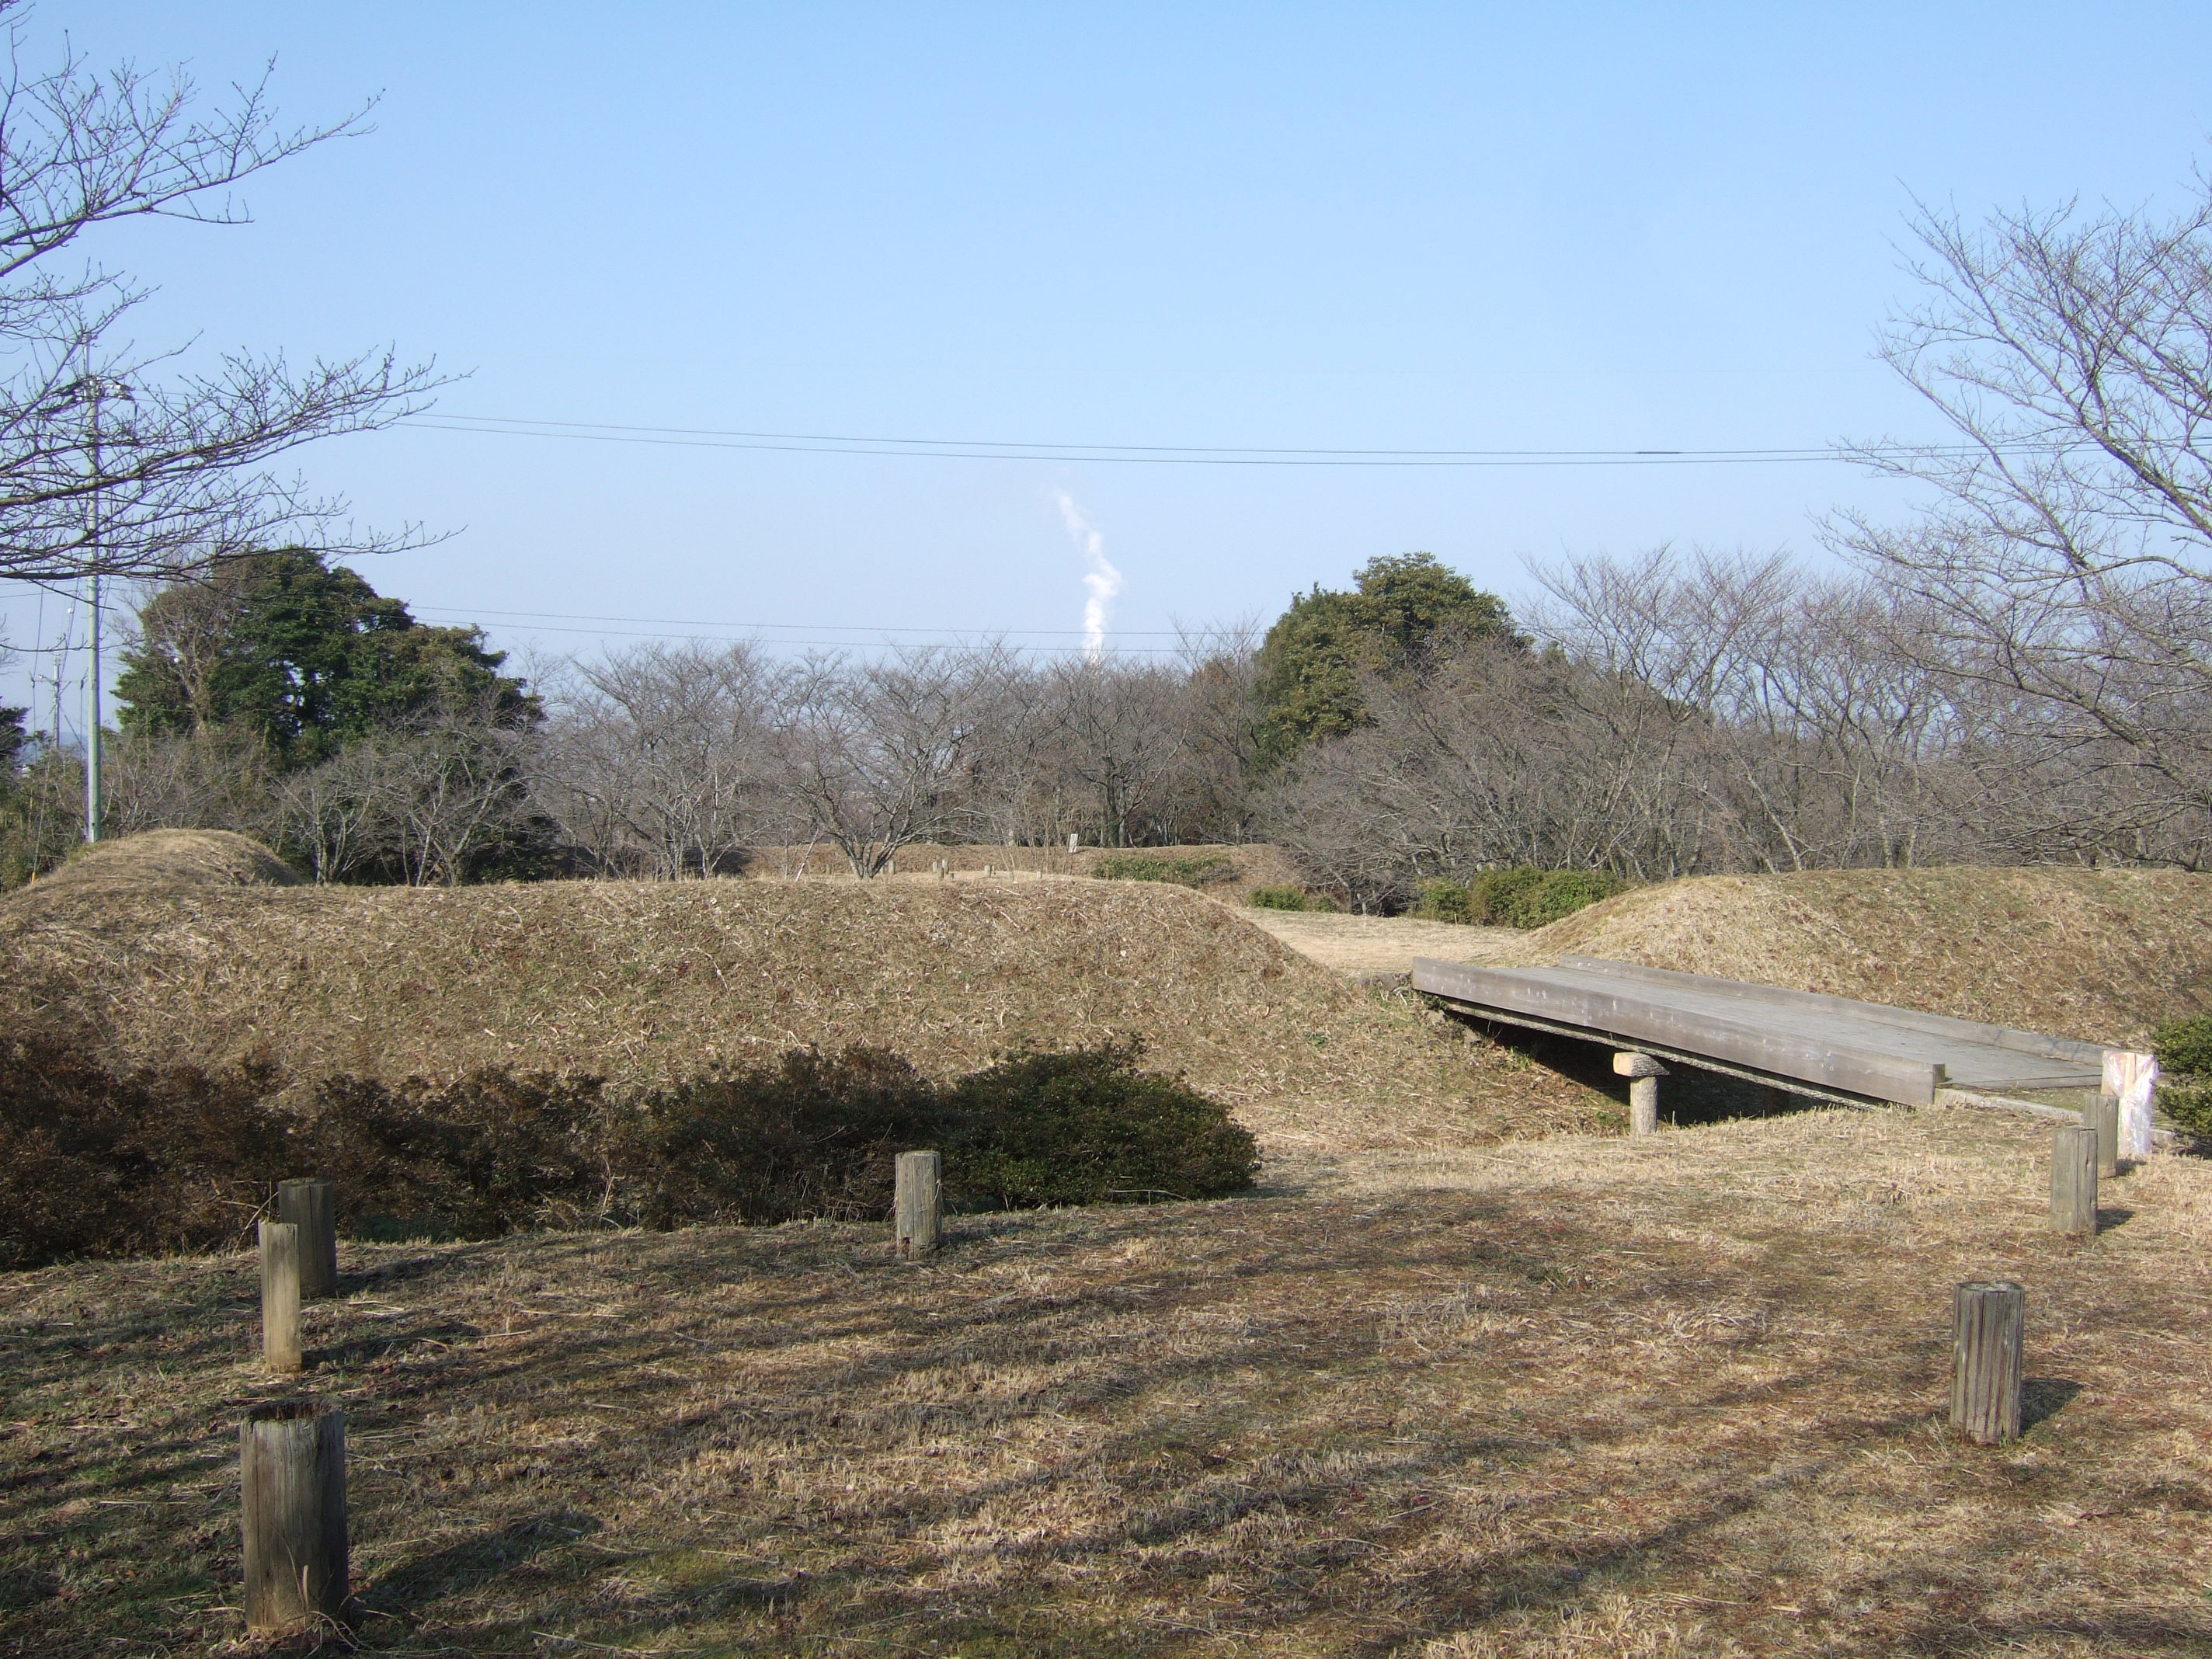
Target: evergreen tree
304, 653
1403, 613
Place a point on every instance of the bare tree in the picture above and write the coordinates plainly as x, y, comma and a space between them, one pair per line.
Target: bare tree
662, 762
1219, 719
425, 803
337, 816
2065, 572
176, 462
219, 778
876, 753
1120, 736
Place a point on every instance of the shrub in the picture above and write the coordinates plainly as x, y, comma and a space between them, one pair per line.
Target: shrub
1520, 897
1154, 867
93, 1164
1085, 1125
2184, 1045
1289, 897
2188, 1101
488, 1154
813, 1135
2184, 1048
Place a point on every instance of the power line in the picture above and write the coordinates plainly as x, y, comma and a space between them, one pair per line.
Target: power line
952, 637
977, 449
821, 628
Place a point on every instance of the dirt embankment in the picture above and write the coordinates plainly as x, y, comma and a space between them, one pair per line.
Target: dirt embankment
645, 982
2101, 955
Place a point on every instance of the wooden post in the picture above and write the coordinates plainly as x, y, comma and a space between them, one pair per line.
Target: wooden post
280, 1297
2103, 1110
1987, 1323
2074, 1179
1643, 1074
914, 1206
2134, 1078
291, 1458
307, 1205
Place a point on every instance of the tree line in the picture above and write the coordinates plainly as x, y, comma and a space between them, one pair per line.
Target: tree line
2019, 671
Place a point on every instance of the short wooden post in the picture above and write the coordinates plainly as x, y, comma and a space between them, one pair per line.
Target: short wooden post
280, 1297
2103, 1110
1987, 1323
1643, 1074
2074, 1179
2134, 1078
914, 1205
292, 1478
309, 1205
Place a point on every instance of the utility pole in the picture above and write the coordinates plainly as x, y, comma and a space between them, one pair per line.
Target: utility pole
94, 387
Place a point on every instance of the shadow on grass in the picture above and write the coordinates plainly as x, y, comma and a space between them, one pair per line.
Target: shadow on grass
1687, 1096
2042, 1398
469, 1566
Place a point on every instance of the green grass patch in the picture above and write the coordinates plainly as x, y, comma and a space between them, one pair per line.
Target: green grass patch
1520, 897
1288, 896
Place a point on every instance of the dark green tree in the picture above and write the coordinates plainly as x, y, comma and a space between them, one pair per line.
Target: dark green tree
1404, 613
14, 736
304, 653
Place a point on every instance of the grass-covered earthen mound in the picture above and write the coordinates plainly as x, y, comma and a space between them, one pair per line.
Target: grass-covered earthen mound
159, 860
2100, 955
645, 984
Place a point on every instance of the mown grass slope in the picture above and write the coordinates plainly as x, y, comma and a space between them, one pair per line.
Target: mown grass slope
643, 983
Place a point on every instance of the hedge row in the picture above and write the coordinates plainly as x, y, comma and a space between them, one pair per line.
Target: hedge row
1201, 872
94, 1163
1521, 897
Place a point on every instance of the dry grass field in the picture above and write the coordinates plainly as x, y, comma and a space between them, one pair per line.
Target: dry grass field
1459, 1380
1581, 1397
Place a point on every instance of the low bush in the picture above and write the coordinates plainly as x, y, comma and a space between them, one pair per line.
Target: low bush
2184, 1048
1520, 897
1156, 866
1289, 897
1085, 1125
95, 1164
92, 1163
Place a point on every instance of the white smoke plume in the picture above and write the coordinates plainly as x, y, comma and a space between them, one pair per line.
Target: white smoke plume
1102, 582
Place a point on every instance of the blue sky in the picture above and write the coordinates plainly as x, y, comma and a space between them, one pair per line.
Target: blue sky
1375, 226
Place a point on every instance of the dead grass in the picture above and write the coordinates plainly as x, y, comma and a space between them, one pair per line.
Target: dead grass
159, 860
1251, 865
1587, 1397
643, 982
2099, 955
1386, 945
